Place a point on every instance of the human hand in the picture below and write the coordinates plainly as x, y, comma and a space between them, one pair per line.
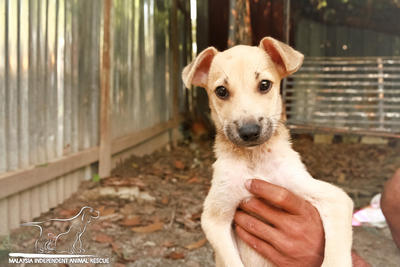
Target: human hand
282, 227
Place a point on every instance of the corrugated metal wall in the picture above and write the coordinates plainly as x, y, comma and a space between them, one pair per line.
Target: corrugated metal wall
322, 40
50, 59
48, 95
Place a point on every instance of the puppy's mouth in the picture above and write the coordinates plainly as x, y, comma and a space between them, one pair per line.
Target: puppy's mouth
250, 133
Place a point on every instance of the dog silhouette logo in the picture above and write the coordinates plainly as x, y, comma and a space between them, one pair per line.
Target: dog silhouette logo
64, 235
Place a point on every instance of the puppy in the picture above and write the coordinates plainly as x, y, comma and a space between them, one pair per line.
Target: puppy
243, 84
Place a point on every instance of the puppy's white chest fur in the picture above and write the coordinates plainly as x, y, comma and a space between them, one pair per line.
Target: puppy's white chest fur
272, 162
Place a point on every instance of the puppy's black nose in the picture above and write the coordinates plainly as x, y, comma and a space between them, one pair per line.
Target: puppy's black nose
249, 132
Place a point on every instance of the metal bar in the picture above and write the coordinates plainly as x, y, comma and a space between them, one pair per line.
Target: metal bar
351, 99
338, 58
347, 76
308, 128
342, 91
340, 83
353, 122
105, 130
361, 106
350, 114
381, 92
343, 69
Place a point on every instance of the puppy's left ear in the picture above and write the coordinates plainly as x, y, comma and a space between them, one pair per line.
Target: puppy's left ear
285, 58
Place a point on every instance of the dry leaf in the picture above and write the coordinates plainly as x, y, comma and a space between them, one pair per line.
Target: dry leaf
148, 228
175, 255
197, 244
130, 221
193, 180
68, 213
107, 211
103, 238
179, 164
168, 244
165, 200
196, 216
118, 264
181, 176
116, 248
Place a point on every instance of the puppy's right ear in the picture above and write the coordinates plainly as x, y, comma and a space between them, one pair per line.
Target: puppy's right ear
196, 73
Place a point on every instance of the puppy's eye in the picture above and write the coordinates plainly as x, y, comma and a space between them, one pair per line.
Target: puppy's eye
222, 92
265, 86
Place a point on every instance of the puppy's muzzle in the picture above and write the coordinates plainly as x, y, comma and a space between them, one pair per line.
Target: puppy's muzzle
249, 132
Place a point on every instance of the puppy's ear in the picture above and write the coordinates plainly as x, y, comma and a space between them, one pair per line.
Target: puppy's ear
285, 58
196, 73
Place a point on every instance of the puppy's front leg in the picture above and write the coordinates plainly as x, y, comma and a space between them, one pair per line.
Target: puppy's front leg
216, 222
335, 209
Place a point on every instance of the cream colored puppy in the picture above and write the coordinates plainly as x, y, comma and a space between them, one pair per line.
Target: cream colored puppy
243, 89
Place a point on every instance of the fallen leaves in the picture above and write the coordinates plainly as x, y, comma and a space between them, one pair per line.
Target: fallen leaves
105, 211
119, 181
197, 244
117, 249
179, 165
165, 200
175, 255
156, 226
130, 221
67, 213
103, 238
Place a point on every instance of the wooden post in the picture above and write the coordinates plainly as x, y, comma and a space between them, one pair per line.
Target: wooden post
176, 77
286, 34
239, 23
286, 21
105, 129
175, 59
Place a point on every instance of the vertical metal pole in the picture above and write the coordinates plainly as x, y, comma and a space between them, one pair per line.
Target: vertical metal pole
105, 130
286, 22
381, 93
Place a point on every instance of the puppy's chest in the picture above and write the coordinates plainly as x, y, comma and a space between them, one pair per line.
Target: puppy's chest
231, 175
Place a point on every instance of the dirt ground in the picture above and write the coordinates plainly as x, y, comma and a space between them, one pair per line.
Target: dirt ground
150, 208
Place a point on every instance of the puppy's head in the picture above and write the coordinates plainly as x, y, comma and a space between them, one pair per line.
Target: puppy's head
243, 84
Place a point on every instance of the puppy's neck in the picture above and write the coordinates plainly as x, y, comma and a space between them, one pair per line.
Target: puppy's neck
225, 148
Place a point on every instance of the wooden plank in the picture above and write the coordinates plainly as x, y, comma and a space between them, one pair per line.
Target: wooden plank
68, 185
43, 197
175, 58
105, 130
25, 205
60, 189
13, 211
40, 174
52, 187
4, 216
34, 176
35, 202
130, 140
